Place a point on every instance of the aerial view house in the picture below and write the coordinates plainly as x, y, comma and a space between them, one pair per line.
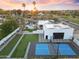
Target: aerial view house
57, 31
55, 40
39, 29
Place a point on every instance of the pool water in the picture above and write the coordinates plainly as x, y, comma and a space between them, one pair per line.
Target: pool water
63, 49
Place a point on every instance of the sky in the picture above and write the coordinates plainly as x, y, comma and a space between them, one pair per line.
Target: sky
40, 4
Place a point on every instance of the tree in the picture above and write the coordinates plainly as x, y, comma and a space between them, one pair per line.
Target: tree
34, 3
19, 12
23, 5
7, 27
34, 12
5, 12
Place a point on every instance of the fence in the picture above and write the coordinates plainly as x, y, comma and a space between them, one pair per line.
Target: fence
8, 38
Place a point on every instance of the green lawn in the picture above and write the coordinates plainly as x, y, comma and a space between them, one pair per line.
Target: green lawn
20, 50
1, 35
30, 30
70, 18
9, 47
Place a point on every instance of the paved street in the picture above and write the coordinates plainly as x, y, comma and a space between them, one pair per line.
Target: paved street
76, 27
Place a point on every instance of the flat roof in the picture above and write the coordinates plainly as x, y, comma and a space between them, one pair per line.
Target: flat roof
42, 22
60, 25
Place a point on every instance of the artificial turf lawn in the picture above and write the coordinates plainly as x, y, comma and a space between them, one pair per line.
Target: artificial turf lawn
10, 45
21, 48
30, 30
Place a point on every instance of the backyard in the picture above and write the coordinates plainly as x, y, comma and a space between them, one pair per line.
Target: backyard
9, 47
21, 48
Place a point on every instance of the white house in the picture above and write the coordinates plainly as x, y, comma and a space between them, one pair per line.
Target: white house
57, 31
43, 22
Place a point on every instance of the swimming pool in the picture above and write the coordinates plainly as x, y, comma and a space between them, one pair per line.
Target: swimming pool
49, 49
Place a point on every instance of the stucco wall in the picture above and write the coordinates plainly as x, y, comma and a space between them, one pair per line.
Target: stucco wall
68, 33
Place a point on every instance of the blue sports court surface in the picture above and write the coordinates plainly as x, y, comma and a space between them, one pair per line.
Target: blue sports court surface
62, 49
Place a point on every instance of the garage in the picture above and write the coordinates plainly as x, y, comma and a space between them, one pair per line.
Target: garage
58, 35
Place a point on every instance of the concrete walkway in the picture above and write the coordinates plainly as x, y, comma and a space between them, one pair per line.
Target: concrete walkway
27, 50
10, 54
76, 36
33, 32
41, 38
26, 32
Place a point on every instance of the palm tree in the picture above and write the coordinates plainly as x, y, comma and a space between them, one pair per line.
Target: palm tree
23, 5
34, 3
34, 12
22, 20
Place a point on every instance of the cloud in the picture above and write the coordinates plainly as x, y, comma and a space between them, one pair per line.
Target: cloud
16, 4
55, 1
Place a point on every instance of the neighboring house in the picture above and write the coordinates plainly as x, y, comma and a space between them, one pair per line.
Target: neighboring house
2, 19
30, 26
41, 14
57, 31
